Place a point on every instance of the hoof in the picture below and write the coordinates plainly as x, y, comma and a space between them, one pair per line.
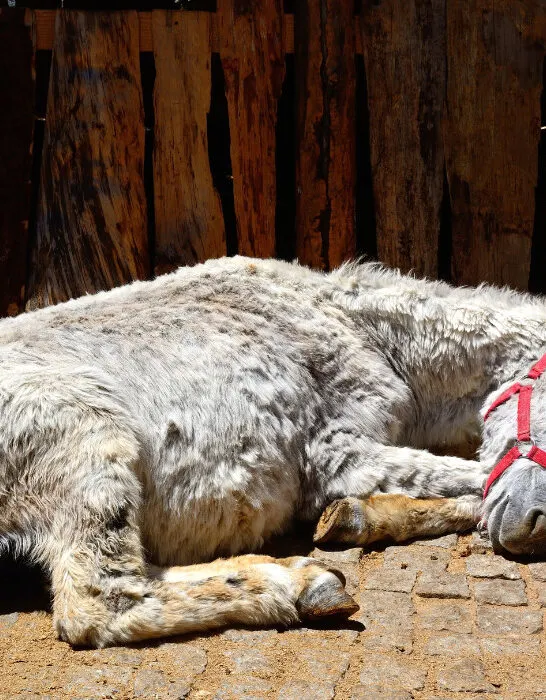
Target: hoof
325, 596
343, 521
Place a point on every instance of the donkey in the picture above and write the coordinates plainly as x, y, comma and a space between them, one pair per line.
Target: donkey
148, 430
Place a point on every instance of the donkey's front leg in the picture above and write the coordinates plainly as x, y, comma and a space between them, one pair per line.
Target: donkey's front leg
395, 517
412, 504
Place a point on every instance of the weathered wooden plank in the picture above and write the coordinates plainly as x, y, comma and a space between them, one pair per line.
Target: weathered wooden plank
325, 162
495, 56
251, 45
189, 226
91, 222
404, 52
45, 25
16, 132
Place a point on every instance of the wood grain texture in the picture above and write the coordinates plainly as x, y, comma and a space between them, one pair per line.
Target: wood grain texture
250, 37
91, 222
404, 53
188, 216
495, 59
16, 133
325, 160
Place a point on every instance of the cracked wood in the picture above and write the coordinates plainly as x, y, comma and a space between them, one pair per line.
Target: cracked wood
91, 221
404, 52
492, 131
251, 45
189, 224
325, 160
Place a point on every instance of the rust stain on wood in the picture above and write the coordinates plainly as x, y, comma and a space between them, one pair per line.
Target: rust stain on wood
91, 222
16, 133
492, 130
251, 47
404, 52
325, 161
188, 216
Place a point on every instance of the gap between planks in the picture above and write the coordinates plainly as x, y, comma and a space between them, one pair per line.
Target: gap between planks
45, 30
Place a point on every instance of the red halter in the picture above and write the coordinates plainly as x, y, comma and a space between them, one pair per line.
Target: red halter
535, 454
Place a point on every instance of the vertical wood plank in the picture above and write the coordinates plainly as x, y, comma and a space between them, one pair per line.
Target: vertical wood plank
189, 226
250, 37
16, 133
404, 53
91, 223
492, 130
324, 44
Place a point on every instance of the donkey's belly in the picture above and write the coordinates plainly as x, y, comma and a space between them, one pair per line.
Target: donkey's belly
209, 520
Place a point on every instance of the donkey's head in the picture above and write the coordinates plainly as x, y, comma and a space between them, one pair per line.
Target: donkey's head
515, 509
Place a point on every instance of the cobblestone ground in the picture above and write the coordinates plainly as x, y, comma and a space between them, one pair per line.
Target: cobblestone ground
444, 618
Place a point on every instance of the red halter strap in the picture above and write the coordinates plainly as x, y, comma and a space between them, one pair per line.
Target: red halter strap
524, 392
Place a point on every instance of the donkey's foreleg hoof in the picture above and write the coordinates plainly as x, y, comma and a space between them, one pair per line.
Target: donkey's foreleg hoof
343, 521
324, 596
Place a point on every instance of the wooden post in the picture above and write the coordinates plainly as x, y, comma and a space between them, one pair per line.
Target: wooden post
91, 224
404, 53
324, 42
492, 130
250, 37
189, 226
16, 133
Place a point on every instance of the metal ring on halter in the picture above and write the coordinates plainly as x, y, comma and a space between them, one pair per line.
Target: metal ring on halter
528, 444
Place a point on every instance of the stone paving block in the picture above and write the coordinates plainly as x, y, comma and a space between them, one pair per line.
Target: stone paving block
467, 675
493, 566
538, 571
96, 682
529, 646
245, 659
416, 558
338, 556
302, 690
452, 645
448, 617
499, 592
390, 578
513, 621
150, 683
8, 620
442, 585
386, 609
383, 671
446, 542
480, 543
249, 688
116, 656
400, 640
309, 635
250, 637
362, 692
320, 663
188, 660
541, 590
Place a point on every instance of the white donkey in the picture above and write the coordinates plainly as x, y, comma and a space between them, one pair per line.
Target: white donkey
171, 422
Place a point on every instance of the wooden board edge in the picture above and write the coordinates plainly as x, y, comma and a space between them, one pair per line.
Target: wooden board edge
45, 31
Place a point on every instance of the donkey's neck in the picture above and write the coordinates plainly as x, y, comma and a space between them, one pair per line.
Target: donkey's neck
449, 342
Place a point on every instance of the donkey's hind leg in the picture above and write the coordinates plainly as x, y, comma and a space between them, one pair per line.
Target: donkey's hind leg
103, 592
395, 517
104, 595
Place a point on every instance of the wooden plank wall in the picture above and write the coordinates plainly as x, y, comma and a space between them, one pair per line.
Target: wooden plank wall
453, 92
